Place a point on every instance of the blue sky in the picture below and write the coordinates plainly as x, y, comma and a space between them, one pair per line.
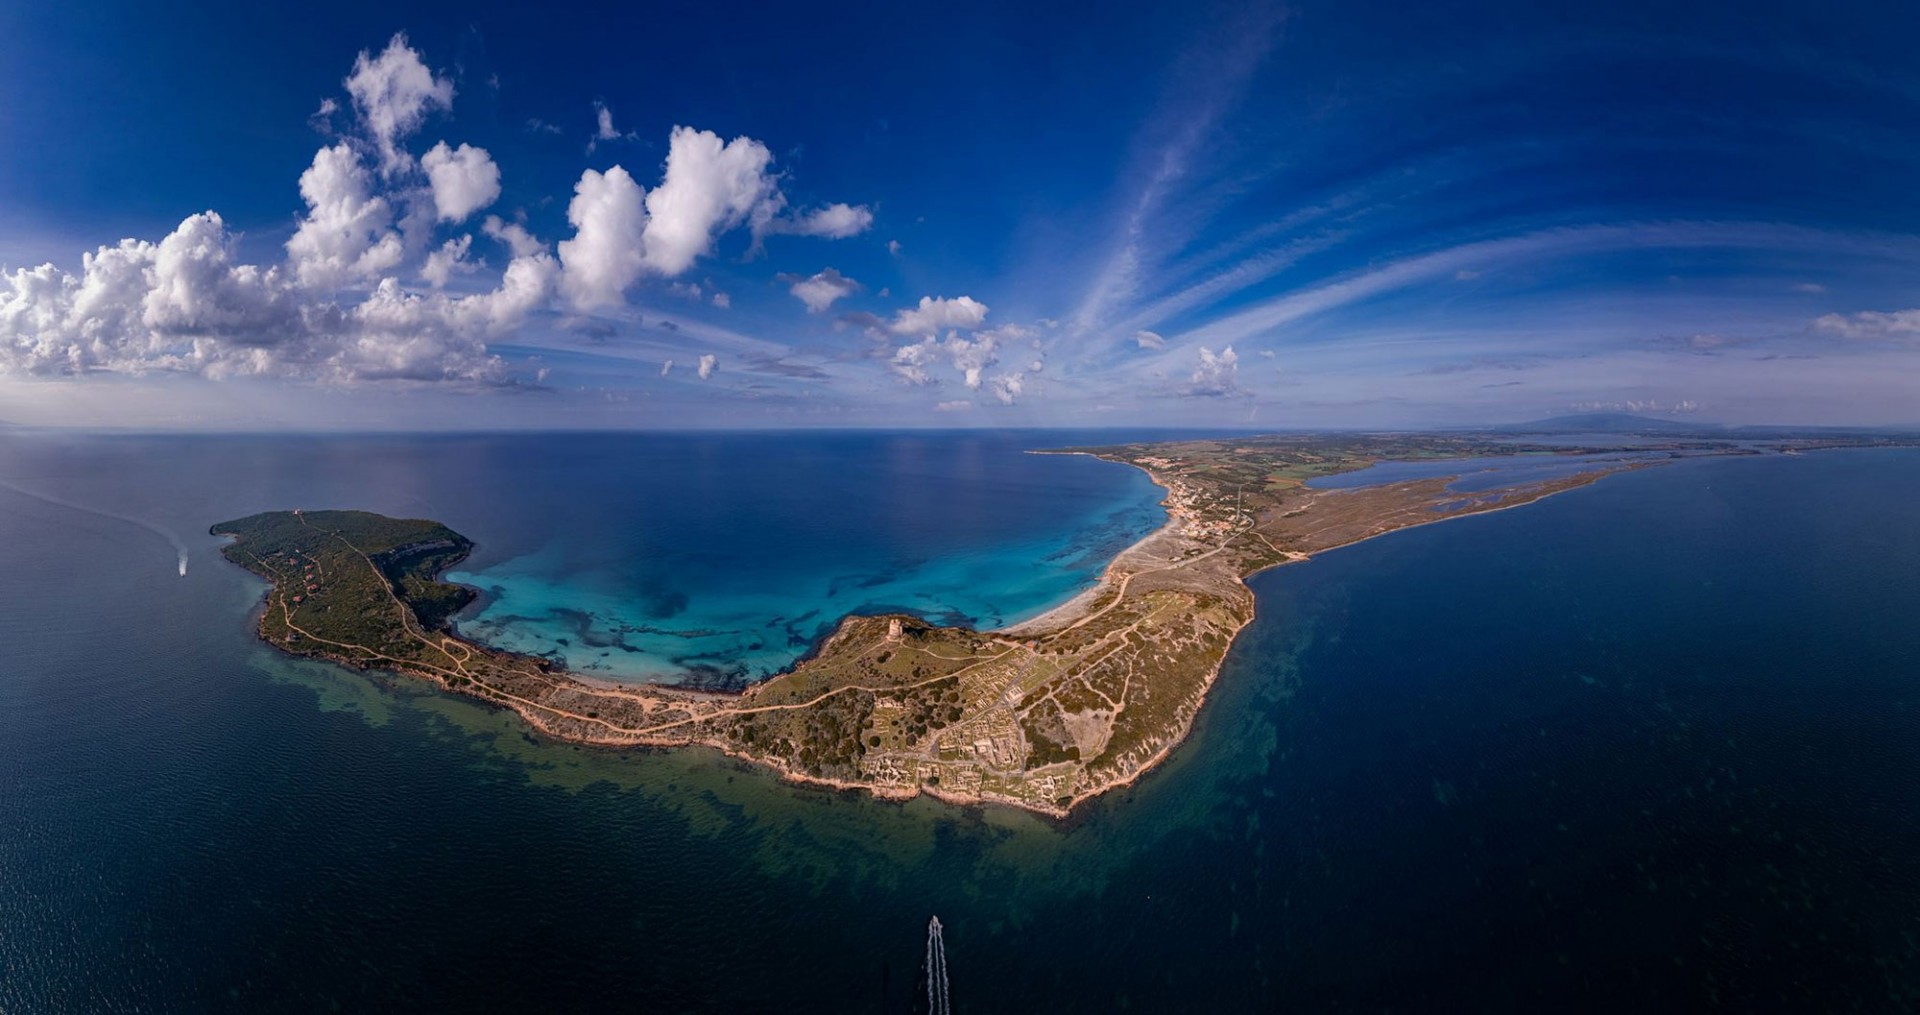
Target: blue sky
1309, 214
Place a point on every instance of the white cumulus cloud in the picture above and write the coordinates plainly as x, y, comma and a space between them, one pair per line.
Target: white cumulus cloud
450, 259
1873, 326
604, 256
970, 357
334, 310
603, 123
603, 128
184, 305
820, 290
1217, 373
937, 313
392, 93
513, 234
835, 222
464, 180
346, 235
198, 291
1639, 406
710, 186
910, 362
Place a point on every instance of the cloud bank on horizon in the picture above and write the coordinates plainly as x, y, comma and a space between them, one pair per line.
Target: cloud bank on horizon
1301, 222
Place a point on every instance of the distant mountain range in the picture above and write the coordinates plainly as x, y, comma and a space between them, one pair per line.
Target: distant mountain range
1607, 422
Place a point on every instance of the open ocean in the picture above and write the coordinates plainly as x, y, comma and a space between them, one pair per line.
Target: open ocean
1650, 743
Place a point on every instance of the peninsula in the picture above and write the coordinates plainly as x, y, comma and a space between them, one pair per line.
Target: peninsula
1042, 715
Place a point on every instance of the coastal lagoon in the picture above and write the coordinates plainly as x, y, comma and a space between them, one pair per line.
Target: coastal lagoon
1646, 742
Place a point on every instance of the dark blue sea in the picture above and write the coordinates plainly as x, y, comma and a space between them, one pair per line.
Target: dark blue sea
1653, 744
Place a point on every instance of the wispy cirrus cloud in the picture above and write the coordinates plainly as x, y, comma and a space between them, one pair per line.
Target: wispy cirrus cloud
1204, 86
1263, 318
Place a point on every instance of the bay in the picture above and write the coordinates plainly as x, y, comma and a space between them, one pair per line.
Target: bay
1648, 743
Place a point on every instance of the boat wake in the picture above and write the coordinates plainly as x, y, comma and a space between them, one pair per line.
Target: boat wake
179, 547
937, 1002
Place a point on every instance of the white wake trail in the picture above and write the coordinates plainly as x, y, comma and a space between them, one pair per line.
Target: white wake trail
179, 547
937, 1002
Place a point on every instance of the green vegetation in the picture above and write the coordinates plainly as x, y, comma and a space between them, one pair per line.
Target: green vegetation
351, 583
1042, 715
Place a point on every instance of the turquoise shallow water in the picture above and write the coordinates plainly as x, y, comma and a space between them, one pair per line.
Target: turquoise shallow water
664, 565
1647, 745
